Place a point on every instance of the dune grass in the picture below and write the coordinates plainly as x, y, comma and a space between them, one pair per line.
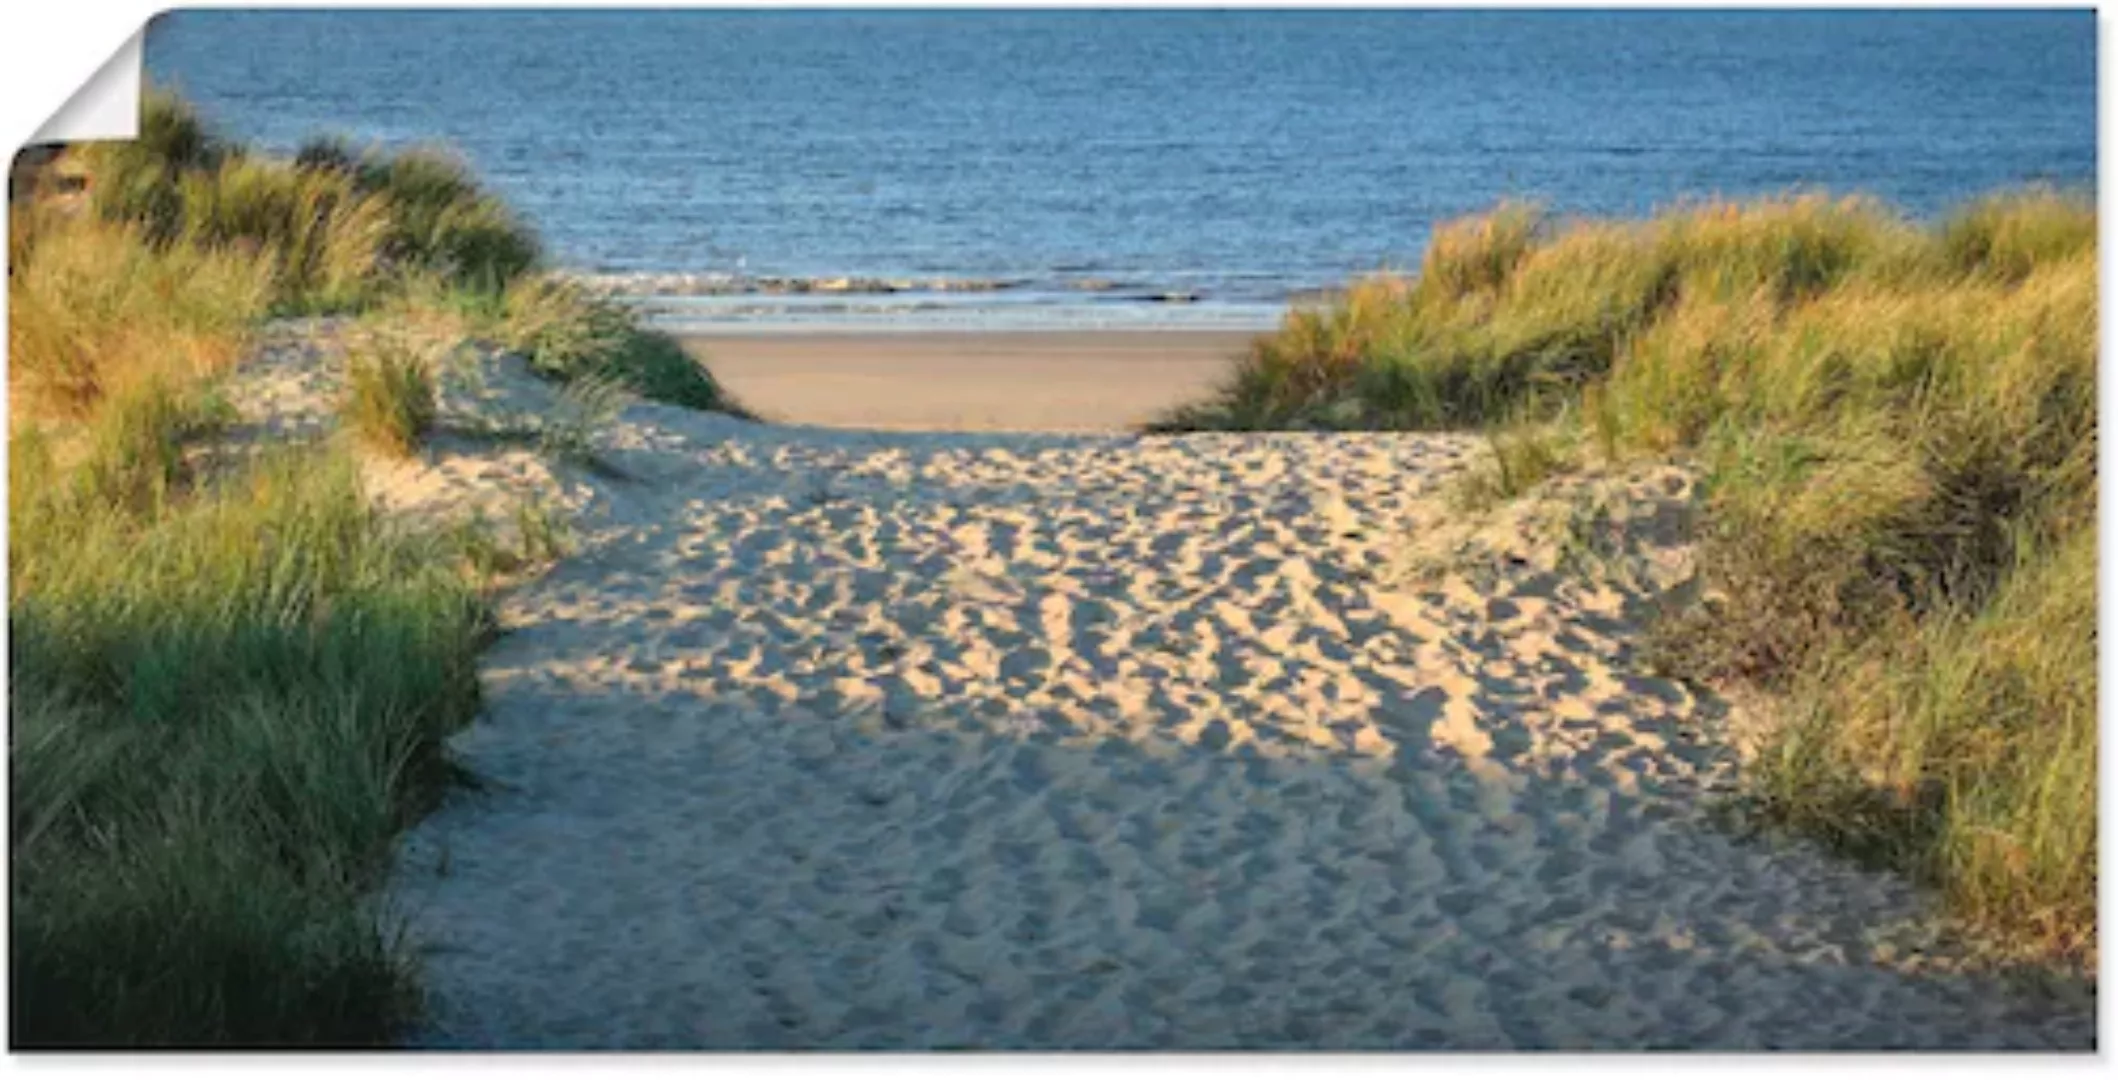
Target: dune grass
1519, 456
228, 690
568, 335
101, 309
226, 701
340, 229
1897, 430
231, 679
390, 394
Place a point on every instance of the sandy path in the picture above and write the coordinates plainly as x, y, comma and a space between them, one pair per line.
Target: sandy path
837, 739
1065, 381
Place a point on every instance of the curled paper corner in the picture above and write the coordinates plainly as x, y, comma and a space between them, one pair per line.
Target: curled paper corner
106, 107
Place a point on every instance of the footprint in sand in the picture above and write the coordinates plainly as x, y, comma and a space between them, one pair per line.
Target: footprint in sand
1050, 742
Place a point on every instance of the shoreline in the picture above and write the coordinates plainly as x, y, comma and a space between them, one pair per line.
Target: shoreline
1026, 380
685, 305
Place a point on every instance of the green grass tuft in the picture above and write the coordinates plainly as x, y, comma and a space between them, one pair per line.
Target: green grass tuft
1520, 457
341, 228
390, 394
568, 335
2010, 235
440, 220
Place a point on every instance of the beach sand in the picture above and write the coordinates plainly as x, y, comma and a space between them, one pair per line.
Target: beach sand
857, 739
1073, 381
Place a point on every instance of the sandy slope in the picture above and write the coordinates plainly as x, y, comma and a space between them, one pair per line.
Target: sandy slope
833, 739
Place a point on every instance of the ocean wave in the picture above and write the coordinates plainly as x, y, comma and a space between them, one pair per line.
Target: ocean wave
710, 297
727, 284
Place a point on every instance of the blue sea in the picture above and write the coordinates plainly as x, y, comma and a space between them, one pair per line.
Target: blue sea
1129, 168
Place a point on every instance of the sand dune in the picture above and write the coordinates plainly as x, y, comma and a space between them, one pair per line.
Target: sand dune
865, 740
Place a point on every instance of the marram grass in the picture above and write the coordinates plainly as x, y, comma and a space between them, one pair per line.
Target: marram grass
228, 692
1897, 424
92, 308
230, 681
224, 706
340, 229
389, 402
568, 335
